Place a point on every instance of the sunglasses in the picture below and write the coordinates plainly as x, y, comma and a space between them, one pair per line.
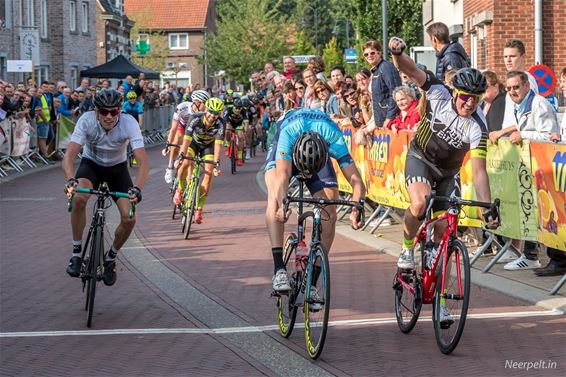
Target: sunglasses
467, 96
348, 95
308, 77
105, 112
371, 53
321, 90
514, 87
299, 88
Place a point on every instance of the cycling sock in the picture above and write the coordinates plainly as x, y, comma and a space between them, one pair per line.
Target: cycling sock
201, 201
407, 244
171, 164
278, 258
112, 253
182, 184
77, 247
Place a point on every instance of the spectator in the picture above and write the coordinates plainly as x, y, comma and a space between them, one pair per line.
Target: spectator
406, 80
291, 99
43, 121
493, 101
337, 74
562, 88
88, 103
409, 116
300, 89
344, 109
279, 88
449, 55
290, 69
348, 79
385, 78
448, 76
328, 101
60, 86
310, 100
128, 84
317, 65
84, 86
268, 67
65, 99
105, 84
363, 97
556, 265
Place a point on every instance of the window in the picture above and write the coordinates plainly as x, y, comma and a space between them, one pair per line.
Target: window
5, 14
30, 13
3, 68
74, 77
73, 15
43, 19
178, 41
85, 18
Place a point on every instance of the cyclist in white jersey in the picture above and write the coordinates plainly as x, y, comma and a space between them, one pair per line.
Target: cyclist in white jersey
181, 118
103, 135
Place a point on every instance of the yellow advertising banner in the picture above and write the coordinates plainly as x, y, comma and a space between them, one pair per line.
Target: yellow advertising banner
549, 170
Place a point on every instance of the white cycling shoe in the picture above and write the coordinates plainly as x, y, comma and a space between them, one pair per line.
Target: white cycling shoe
169, 175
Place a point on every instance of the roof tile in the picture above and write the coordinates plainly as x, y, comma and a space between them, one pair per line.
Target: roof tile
169, 14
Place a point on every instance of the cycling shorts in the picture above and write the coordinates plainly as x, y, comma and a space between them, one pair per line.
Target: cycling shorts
196, 149
444, 182
117, 177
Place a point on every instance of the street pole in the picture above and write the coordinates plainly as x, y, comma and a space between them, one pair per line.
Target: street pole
315, 13
347, 33
384, 30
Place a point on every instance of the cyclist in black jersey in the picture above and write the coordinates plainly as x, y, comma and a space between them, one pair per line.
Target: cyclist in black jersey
235, 117
452, 125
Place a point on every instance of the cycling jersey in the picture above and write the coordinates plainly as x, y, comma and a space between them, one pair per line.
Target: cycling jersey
134, 110
235, 116
107, 148
443, 137
181, 107
184, 117
202, 134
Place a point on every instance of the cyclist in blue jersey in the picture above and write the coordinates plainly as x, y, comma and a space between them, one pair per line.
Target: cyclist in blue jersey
318, 137
133, 107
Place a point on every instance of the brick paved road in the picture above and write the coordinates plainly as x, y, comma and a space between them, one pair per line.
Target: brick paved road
221, 278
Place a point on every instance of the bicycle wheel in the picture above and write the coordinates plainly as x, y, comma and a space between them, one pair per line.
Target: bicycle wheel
408, 296
94, 265
316, 308
193, 197
233, 157
184, 211
455, 299
286, 307
172, 190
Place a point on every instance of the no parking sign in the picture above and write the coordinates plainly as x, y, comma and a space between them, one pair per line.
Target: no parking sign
545, 77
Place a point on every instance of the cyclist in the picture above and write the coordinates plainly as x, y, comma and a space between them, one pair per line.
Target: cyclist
103, 135
235, 116
315, 137
452, 125
204, 136
182, 116
133, 107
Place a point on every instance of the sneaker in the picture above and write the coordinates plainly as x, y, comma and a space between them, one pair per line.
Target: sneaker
109, 274
281, 281
169, 175
74, 267
315, 300
522, 263
507, 257
177, 197
240, 162
248, 156
446, 319
198, 216
406, 260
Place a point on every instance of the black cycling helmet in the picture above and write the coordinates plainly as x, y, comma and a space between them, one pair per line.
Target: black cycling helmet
107, 99
246, 102
310, 153
470, 80
237, 102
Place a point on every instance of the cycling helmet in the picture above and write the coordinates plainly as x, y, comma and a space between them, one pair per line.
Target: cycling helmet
200, 95
470, 80
246, 102
237, 102
310, 153
131, 95
215, 106
229, 92
108, 98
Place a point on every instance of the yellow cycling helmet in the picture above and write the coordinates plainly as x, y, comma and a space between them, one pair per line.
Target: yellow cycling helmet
215, 106
131, 95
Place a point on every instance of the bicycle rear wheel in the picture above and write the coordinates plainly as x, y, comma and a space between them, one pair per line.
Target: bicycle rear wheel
193, 197
94, 265
286, 305
317, 309
448, 329
172, 190
233, 157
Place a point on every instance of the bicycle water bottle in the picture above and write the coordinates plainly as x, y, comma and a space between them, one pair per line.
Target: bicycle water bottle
301, 256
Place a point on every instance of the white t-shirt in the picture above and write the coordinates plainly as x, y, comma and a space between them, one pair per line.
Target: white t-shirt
107, 148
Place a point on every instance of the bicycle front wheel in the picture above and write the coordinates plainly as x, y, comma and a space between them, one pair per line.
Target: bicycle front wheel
317, 301
408, 295
451, 306
94, 266
286, 303
233, 157
193, 197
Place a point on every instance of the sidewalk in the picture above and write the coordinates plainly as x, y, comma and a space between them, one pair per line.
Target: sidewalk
523, 285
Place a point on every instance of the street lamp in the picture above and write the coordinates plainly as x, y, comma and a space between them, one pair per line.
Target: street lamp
346, 26
315, 13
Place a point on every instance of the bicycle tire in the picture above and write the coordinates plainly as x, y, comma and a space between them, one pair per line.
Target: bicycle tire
233, 157
286, 306
172, 190
407, 311
184, 211
193, 197
447, 338
316, 321
93, 272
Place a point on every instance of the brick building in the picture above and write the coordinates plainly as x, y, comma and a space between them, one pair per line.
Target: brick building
488, 24
182, 37
112, 31
58, 35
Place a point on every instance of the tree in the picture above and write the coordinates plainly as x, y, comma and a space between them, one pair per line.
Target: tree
302, 45
157, 40
249, 33
332, 55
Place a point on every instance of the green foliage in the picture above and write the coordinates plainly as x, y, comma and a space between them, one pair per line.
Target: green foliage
332, 55
158, 42
302, 45
249, 33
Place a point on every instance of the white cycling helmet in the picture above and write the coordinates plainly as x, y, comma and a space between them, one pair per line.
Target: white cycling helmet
200, 95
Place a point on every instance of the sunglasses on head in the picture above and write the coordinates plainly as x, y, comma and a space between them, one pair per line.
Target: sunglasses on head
464, 96
371, 53
105, 112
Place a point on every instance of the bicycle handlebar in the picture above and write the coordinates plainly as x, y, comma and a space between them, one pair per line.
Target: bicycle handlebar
198, 160
105, 193
458, 202
165, 150
321, 202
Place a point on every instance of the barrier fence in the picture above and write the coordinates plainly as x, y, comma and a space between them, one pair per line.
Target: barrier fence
530, 180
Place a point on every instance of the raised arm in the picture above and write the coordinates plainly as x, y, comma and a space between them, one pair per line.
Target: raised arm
404, 63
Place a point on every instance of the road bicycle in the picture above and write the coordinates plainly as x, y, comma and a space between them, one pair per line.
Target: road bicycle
175, 182
441, 276
310, 279
92, 257
191, 195
232, 150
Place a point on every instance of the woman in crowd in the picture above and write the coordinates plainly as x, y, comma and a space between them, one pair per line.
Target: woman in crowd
291, 98
300, 87
317, 65
328, 100
310, 100
409, 116
493, 101
363, 79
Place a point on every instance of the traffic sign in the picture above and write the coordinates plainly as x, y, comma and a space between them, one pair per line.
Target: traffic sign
350, 55
302, 59
545, 77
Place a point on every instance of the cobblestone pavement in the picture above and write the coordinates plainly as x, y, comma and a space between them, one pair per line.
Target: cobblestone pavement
202, 307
